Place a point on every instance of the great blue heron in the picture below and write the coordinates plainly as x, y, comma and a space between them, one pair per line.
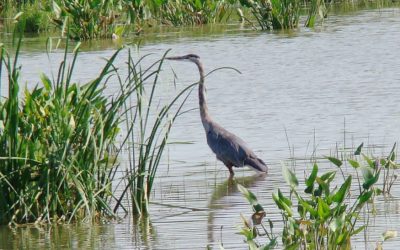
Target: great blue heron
228, 148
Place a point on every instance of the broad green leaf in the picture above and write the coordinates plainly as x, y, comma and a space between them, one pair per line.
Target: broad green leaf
358, 230
341, 238
311, 179
46, 81
278, 202
335, 161
370, 162
367, 184
354, 163
378, 191
359, 148
309, 189
284, 199
309, 208
119, 30
365, 196
367, 173
287, 209
258, 208
281, 203
342, 192
323, 209
385, 163
337, 223
328, 177
290, 177
248, 194
324, 185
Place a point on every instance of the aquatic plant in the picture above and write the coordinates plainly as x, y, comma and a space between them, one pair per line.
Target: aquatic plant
99, 19
56, 144
284, 14
190, 12
274, 14
25, 16
368, 165
85, 19
320, 217
148, 125
316, 10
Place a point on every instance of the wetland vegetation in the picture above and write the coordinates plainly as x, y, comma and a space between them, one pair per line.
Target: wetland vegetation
84, 19
59, 147
63, 144
327, 215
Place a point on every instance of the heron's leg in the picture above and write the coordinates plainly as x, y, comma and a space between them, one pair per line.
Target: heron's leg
229, 166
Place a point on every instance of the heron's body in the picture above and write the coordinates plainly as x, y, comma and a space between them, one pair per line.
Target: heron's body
228, 148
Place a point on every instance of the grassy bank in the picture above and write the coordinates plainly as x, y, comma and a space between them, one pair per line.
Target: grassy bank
114, 18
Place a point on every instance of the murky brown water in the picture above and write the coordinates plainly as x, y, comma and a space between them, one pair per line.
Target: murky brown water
335, 86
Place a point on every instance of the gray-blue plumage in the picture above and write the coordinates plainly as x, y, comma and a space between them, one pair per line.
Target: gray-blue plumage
231, 149
228, 148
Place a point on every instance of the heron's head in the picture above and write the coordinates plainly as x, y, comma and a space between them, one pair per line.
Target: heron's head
187, 58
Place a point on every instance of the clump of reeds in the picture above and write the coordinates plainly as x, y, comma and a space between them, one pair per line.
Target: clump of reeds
193, 12
274, 14
148, 125
284, 14
58, 143
85, 19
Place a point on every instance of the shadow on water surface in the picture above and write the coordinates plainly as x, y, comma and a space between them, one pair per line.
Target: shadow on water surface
74, 236
218, 204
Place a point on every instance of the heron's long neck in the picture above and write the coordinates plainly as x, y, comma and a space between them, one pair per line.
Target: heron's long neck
205, 116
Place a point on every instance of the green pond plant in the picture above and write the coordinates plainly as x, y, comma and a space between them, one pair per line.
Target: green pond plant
55, 146
284, 14
324, 215
86, 19
148, 125
194, 12
60, 142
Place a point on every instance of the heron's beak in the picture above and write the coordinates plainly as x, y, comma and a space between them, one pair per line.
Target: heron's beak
174, 58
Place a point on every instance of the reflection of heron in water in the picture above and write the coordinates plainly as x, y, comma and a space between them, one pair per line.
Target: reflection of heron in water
227, 188
229, 148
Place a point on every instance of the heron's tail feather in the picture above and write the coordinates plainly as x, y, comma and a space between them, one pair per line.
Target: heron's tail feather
257, 164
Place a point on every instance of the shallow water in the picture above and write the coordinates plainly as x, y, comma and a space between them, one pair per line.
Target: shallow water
327, 88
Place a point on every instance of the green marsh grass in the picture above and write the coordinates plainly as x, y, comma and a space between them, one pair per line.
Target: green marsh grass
275, 14
148, 125
85, 19
192, 12
60, 142
55, 146
26, 16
